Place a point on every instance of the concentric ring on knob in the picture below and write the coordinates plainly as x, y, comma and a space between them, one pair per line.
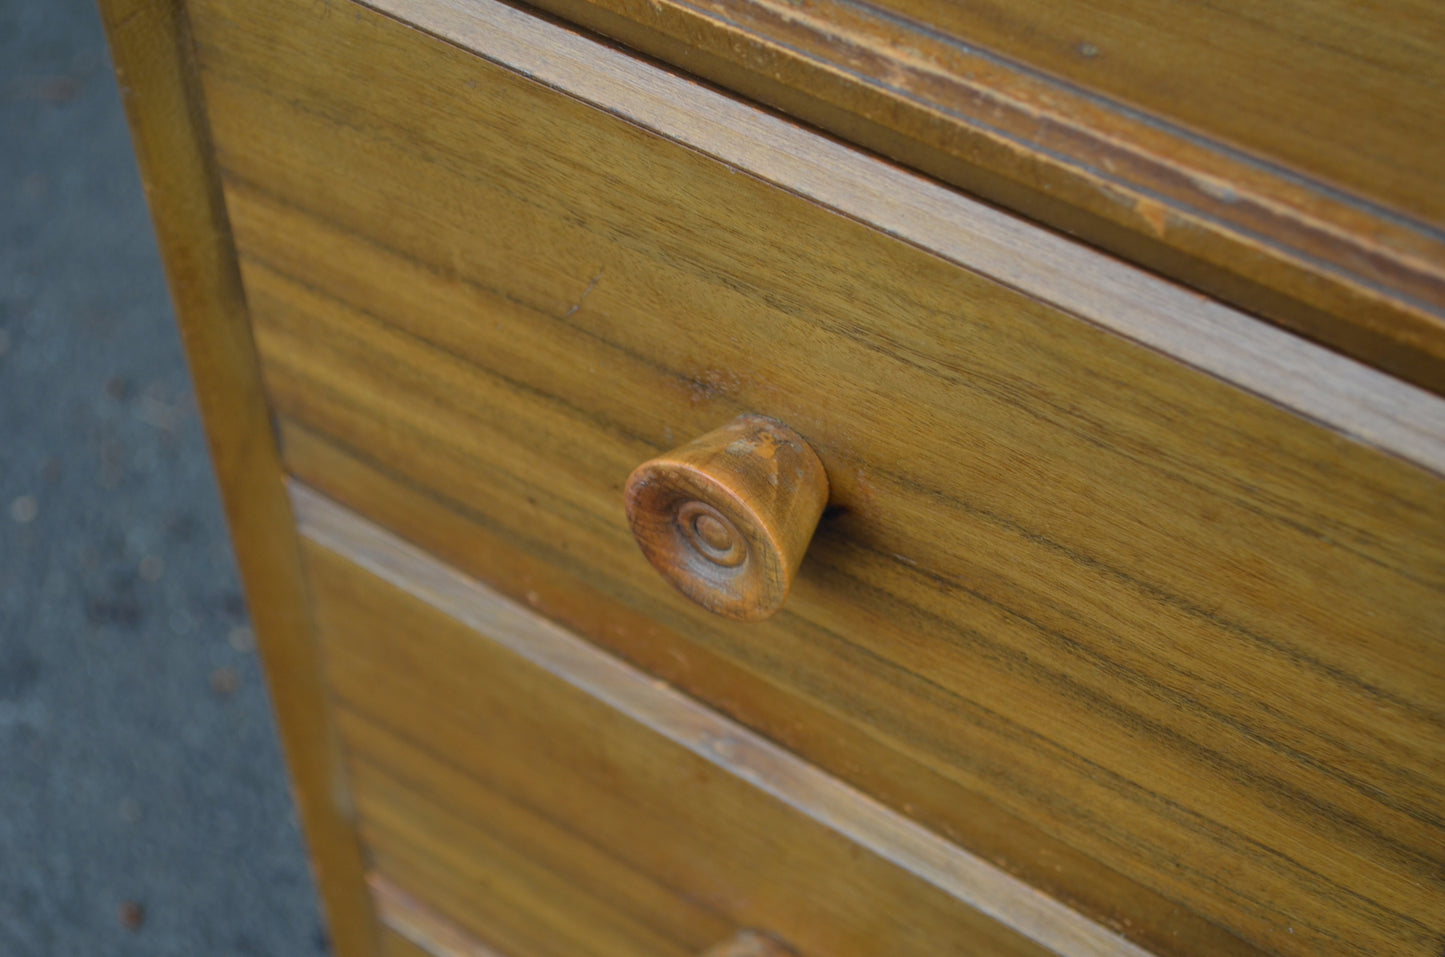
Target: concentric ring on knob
711, 534
727, 517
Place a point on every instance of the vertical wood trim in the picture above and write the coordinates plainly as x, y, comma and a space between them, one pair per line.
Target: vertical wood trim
151, 49
729, 746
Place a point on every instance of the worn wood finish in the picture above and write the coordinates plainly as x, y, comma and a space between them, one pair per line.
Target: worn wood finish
1157, 619
748, 943
727, 517
1345, 94
151, 48
1335, 265
1073, 278
665, 786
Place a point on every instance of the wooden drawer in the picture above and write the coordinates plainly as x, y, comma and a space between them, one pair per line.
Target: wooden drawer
548, 799
1123, 628
1159, 645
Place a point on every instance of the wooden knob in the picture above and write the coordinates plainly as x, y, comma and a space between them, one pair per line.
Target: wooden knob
727, 517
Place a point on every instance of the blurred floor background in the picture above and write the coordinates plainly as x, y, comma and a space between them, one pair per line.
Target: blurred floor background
143, 804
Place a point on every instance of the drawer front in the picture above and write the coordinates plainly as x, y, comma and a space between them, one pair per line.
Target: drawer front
498, 784
1161, 647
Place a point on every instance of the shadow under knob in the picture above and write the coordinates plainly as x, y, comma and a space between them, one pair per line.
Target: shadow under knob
727, 517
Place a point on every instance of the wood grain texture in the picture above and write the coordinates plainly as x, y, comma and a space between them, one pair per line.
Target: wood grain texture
395, 944
1333, 264
1203, 333
1184, 633
1348, 95
505, 874
748, 944
716, 813
827, 736
413, 928
150, 45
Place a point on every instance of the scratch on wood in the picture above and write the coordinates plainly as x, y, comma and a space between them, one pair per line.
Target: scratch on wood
585, 293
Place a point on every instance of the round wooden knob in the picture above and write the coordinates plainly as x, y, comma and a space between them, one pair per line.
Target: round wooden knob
727, 517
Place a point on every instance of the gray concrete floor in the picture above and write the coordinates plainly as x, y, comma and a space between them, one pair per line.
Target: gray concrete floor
143, 805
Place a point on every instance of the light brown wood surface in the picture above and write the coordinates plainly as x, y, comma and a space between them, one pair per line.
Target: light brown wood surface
748, 944
394, 944
1347, 94
150, 45
1203, 333
414, 928
550, 799
1045, 863
1166, 625
1218, 154
730, 748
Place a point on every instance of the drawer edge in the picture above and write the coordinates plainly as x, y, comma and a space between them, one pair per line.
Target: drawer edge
1324, 386
723, 743
422, 927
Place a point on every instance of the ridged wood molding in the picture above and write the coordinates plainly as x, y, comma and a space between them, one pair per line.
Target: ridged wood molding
1322, 85
1296, 374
